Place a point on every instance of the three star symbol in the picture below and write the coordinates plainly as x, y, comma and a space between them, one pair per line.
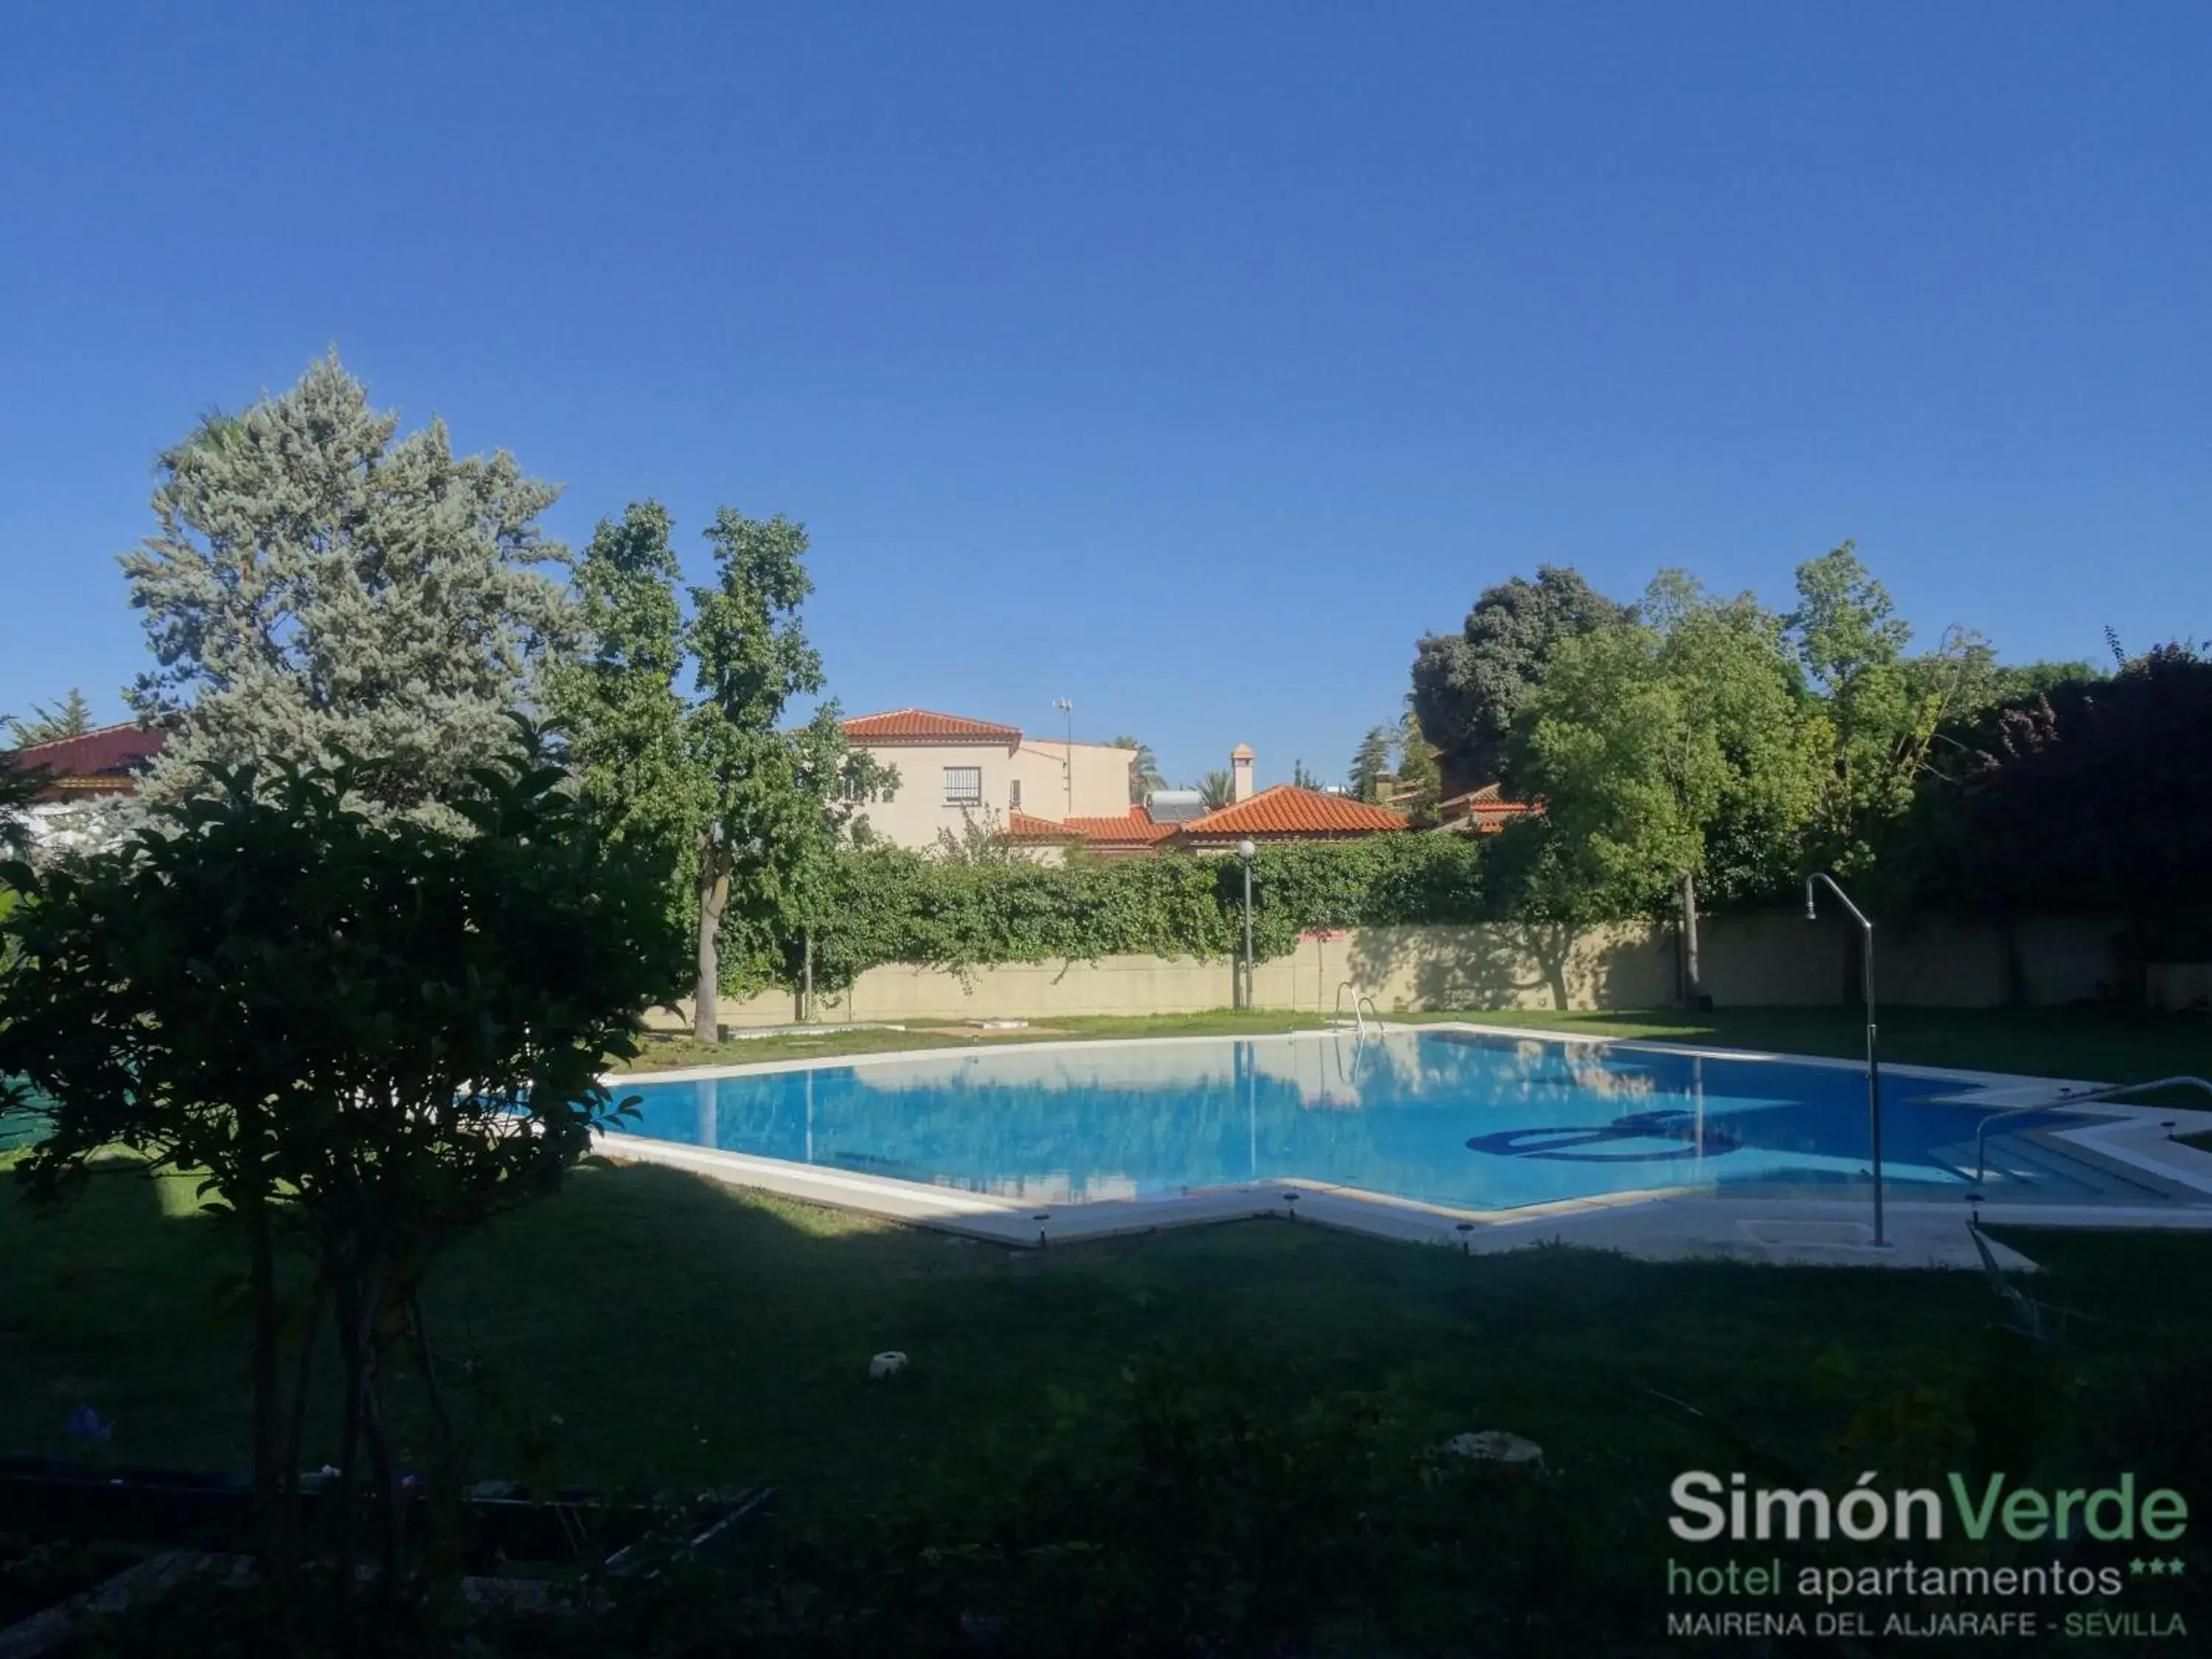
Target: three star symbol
2156, 1568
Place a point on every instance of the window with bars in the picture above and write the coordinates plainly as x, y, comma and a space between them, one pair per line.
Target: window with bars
1014, 796
963, 786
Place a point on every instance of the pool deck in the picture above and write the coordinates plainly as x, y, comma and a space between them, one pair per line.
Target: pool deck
1675, 1224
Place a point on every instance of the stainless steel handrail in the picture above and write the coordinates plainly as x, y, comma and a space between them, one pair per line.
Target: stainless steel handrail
1358, 997
1982, 1129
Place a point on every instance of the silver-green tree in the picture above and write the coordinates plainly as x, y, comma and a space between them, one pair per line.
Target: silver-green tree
317, 584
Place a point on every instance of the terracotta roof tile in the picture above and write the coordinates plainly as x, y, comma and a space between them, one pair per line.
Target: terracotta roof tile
1135, 825
1287, 810
921, 726
1133, 828
99, 762
1025, 826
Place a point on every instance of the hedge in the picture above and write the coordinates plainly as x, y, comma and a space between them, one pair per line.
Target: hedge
889, 905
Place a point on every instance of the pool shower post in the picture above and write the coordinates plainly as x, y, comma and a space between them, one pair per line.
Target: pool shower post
1874, 1066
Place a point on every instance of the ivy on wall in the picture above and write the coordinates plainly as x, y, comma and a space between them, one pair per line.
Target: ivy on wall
889, 905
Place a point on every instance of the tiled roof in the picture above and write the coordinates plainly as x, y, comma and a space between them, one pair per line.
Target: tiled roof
1134, 828
1134, 825
1482, 812
100, 762
1287, 810
1025, 826
920, 726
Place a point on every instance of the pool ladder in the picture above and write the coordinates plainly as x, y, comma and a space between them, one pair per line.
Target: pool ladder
1361, 1002
1982, 1129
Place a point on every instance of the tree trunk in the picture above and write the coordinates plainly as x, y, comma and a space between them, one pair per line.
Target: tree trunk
295, 1424
1693, 977
714, 899
268, 1438
351, 1423
806, 986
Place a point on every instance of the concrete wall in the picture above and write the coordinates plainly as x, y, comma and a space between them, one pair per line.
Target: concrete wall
1749, 961
917, 809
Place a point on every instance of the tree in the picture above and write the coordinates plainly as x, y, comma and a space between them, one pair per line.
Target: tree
367, 1034
1216, 789
1371, 763
617, 696
1468, 686
1420, 781
1302, 779
1877, 727
1669, 749
774, 802
2097, 796
314, 587
1144, 771
752, 814
976, 842
73, 719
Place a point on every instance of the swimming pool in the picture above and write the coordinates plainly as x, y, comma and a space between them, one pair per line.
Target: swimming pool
1461, 1119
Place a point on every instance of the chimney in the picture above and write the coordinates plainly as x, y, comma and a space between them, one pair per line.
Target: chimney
1240, 772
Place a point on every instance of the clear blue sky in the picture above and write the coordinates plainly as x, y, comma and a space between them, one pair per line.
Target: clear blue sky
1188, 360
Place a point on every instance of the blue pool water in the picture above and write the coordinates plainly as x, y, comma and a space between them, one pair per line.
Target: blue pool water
1457, 1118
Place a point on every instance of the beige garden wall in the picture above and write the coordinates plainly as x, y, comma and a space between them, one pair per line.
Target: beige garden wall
1758, 960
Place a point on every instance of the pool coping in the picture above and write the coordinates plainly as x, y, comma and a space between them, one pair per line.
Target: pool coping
1668, 1223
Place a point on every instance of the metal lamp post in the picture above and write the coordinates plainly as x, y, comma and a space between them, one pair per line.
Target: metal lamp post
1244, 851
1874, 1066
1068, 761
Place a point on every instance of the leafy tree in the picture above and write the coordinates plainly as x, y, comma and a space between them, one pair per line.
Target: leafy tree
976, 842
1217, 789
314, 585
72, 718
1371, 763
752, 816
1670, 747
775, 802
1468, 686
1879, 717
2097, 796
367, 1034
1420, 781
617, 695
1144, 771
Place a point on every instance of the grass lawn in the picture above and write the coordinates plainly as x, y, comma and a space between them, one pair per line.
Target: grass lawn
683, 1334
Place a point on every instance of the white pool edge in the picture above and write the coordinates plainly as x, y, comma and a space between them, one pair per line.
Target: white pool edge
1655, 1224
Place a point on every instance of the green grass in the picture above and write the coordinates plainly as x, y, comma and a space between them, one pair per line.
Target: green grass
686, 1334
